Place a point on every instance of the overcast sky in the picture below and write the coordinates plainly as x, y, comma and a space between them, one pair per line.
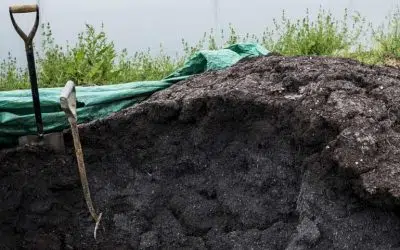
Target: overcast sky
141, 24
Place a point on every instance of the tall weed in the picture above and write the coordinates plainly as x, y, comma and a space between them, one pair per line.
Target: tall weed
12, 76
324, 36
387, 36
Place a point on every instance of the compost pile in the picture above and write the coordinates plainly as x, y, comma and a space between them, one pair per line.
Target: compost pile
272, 153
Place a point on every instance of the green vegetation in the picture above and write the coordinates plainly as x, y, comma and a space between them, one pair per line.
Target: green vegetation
93, 59
387, 39
325, 36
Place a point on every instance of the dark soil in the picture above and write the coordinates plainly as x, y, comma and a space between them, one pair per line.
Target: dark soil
273, 153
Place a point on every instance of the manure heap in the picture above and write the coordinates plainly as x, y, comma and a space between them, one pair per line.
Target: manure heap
271, 153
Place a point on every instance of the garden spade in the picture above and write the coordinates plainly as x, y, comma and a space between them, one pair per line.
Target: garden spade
54, 141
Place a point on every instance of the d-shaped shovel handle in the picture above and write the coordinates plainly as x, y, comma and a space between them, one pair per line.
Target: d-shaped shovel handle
17, 9
68, 100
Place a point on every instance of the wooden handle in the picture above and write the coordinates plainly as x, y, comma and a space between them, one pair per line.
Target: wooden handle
25, 8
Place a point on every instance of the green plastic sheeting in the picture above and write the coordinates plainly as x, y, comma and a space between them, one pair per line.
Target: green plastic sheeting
16, 108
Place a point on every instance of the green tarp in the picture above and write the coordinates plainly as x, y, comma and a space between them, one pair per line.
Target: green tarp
16, 108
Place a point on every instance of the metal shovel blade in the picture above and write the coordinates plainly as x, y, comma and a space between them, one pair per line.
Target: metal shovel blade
55, 141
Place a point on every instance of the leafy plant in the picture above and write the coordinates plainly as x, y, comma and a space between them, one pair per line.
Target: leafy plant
325, 36
387, 37
90, 61
94, 60
11, 76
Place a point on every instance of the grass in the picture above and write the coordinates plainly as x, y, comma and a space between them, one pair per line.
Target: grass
93, 59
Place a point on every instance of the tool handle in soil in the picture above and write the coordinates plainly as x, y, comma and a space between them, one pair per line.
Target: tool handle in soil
25, 9
68, 105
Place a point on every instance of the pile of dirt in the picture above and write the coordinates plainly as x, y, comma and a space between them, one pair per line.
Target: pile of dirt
273, 153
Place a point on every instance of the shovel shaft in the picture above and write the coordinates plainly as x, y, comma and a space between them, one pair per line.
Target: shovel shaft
68, 105
34, 88
81, 168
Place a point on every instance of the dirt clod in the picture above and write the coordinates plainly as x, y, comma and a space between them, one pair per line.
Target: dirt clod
272, 153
